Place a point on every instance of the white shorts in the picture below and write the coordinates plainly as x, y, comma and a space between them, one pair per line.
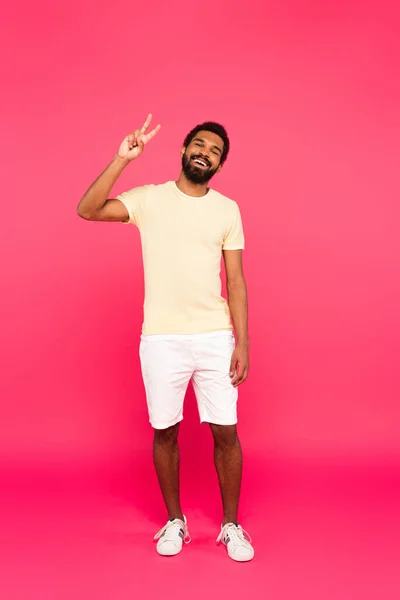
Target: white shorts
169, 362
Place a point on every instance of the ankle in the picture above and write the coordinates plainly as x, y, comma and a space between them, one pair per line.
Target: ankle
176, 515
228, 519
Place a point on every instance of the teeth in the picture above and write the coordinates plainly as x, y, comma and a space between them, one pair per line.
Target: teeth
200, 162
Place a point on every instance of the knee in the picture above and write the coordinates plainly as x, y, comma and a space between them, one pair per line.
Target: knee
167, 436
225, 435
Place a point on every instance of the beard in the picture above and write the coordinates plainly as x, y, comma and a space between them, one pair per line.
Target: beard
194, 173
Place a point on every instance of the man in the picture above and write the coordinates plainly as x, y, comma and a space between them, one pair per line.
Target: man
187, 334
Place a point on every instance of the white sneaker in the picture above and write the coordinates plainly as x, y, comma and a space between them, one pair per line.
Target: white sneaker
171, 537
237, 542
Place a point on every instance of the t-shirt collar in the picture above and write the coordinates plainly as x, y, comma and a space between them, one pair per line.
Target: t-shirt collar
186, 195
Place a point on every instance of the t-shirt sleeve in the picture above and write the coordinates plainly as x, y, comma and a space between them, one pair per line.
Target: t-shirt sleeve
133, 202
234, 237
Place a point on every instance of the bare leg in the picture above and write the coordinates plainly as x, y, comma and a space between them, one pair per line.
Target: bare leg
228, 462
166, 462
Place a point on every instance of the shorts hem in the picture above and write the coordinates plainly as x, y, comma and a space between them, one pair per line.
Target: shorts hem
216, 422
165, 426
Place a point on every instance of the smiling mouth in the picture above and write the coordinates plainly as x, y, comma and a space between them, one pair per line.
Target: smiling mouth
200, 162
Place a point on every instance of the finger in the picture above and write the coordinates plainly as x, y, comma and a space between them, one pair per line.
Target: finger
238, 377
133, 135
148, 136
155, 131
237, 382
146, 123
139, 140
232, 368
240, 381
245, 375
135, 139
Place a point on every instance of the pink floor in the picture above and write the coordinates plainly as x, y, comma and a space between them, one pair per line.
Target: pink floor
320, 532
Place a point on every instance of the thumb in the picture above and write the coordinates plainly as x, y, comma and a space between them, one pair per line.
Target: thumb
232, 367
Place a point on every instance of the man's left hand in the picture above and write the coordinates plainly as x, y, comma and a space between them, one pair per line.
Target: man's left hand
239, 368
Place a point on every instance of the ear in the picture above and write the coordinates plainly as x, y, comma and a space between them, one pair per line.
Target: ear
219, 168
183, 150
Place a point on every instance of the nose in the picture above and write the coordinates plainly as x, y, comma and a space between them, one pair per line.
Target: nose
205, 154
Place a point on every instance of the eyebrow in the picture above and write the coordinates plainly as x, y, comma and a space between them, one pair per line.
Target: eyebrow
214, 146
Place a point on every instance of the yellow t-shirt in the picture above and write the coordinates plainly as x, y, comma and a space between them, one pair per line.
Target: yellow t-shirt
182, 242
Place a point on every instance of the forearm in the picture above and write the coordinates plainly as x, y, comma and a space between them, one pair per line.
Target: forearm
96, 196
238, 306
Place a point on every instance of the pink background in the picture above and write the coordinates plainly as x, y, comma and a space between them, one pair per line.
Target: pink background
309, 93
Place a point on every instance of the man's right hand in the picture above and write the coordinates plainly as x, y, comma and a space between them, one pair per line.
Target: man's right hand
133, 145
95, 204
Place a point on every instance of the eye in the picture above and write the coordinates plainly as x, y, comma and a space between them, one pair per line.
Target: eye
215, 152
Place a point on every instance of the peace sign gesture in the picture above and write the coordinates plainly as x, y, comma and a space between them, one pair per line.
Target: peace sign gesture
133, 145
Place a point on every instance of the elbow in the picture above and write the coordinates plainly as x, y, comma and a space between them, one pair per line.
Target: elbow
84, 214
236, 283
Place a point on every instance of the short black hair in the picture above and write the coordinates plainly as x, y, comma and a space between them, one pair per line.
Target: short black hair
214, 128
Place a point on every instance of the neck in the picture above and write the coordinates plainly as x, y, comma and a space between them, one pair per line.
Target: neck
189, 188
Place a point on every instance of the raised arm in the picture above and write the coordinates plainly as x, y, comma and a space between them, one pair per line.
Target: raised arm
237, 300
95, 204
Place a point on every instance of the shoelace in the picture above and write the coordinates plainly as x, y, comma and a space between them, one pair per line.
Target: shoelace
171, 530
237, 535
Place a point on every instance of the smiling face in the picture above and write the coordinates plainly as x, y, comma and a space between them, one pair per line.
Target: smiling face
201, 160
